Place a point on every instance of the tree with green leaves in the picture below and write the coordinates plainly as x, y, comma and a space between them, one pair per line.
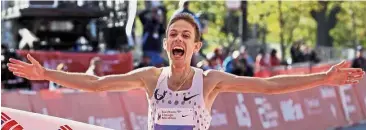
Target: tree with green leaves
282, 22
350, 30
325, 21
316, 22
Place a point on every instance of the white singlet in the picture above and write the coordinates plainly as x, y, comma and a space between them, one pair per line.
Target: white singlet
178, 110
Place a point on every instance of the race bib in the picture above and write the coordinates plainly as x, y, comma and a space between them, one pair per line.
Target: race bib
174, 119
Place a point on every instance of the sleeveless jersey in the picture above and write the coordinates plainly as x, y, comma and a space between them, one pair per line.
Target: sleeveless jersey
178, 110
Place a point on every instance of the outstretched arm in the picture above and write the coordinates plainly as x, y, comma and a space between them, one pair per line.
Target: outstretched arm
82, 81
337, 75
35, 71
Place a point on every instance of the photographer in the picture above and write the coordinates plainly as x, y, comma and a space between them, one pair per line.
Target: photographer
153, 23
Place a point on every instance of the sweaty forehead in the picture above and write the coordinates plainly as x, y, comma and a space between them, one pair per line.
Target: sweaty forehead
181, 26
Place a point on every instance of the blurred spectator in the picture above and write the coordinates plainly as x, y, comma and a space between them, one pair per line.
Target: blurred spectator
274, 60
310, 55
95, 67
262, 60
244, 54
202, 65
54, 86
227, 64
184, 8
219, 55
8, 79
359, 61
296, 53
146, 61
153, 30
213, 62
203, 22
238, 65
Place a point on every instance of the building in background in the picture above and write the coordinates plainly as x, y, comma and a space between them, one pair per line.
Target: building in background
73, 25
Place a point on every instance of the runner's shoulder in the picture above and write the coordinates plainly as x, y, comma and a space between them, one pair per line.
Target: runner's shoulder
212, 74
149, 71
150, 75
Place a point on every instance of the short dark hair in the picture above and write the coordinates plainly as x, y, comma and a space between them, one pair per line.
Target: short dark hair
186, 4
273, 52
188, 18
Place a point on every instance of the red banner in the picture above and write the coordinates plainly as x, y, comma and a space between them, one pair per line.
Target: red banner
360, 91
223, 114
318, 108
101, 109
51, 103
321, 103
79, 62
136, 106
16, 100
351, 108
347, 97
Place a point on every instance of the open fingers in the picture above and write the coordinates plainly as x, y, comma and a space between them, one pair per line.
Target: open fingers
13, 69
355, 74
352, 81
15, 61
18, 66
351, 70
19, 74
355, 78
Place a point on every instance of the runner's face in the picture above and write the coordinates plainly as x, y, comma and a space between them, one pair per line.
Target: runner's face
180, 44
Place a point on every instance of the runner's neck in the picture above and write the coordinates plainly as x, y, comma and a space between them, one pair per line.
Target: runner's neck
176, 75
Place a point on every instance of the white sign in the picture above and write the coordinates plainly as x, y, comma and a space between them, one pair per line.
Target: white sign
291, 111
218, 119
115, 123
138, 122
346, 99
333, 110
242, 113
327, 92
267, 115
312, 106
365, 100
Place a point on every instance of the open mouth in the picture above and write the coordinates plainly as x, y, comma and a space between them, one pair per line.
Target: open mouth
178, 51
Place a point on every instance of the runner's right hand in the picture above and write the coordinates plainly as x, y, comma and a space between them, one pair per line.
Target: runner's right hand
33, 71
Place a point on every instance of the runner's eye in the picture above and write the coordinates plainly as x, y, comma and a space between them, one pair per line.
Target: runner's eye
186, 36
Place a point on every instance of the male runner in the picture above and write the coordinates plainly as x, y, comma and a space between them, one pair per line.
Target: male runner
181, 96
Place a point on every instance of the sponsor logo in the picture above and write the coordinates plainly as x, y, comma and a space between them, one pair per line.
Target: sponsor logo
189, 98
65, 127
8, 124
